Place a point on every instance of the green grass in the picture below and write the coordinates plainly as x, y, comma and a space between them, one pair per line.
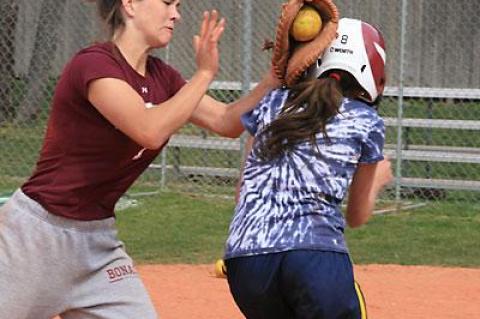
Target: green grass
175, 228
427, 236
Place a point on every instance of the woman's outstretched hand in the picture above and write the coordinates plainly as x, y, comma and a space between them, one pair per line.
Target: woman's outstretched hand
206, 43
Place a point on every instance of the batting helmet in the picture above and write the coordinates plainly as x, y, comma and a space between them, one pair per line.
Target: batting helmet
359, 49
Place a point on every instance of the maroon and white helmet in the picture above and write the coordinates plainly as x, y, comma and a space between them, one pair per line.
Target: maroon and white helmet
360, 50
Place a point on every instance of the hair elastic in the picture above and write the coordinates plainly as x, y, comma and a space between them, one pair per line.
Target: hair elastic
335, 76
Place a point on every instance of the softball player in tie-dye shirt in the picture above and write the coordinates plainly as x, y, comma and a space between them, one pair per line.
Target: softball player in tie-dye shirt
286, 254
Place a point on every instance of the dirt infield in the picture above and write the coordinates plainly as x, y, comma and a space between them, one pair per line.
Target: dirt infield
392, 292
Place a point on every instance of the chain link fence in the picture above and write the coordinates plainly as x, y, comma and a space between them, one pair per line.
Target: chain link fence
431, 105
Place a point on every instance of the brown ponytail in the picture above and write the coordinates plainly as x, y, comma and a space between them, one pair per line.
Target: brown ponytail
310, 105
111, 15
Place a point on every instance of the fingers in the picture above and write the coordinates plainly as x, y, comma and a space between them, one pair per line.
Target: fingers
204, 26
211, 29
206, 42
203, 30
218, 30
212, 21
196, 43
214, 27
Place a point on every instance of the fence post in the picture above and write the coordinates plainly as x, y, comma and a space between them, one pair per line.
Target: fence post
163, 177
247, 60
398, 185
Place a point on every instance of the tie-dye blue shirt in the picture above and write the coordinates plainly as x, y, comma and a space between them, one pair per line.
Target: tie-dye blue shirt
282, 203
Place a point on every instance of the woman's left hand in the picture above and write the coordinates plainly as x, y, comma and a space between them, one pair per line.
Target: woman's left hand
206, 43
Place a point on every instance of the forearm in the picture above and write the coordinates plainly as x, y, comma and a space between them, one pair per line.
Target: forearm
359, 209
224, 119
368, 181
231, 121
168, 117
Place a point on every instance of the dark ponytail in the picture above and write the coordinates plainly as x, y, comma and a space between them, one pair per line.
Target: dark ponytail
111, 15
310, 105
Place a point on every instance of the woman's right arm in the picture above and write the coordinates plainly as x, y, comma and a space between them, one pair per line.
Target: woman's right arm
368, 181
151, 127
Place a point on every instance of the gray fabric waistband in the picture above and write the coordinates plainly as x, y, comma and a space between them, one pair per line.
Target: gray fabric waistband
25, 204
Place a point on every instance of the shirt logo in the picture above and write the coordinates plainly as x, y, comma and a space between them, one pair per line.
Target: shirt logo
139, 154
144, 90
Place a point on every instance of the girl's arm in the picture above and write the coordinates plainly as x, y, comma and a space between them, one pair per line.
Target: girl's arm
368, 181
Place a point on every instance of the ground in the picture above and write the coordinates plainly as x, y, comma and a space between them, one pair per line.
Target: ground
391, 292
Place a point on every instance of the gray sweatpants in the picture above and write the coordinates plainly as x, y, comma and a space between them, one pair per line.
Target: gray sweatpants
51, 265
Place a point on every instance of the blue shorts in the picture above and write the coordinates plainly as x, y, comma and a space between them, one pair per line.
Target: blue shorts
301, 284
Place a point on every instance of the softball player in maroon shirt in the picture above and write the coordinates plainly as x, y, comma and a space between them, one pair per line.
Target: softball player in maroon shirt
114, 108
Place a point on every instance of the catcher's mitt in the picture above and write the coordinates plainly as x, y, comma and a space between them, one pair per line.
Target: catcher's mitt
288, 64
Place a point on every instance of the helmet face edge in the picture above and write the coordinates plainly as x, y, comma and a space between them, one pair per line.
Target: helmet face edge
375, 48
